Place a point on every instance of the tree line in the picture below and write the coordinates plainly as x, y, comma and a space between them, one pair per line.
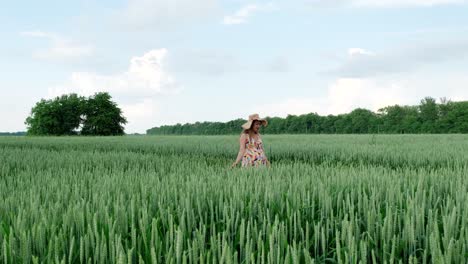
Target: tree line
76, 115
427, 117
19, 133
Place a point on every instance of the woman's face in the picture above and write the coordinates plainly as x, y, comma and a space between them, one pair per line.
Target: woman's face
256, 126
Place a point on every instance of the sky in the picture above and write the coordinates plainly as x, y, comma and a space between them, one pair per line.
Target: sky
181, 61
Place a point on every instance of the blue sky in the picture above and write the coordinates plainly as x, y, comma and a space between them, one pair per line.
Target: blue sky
177, 61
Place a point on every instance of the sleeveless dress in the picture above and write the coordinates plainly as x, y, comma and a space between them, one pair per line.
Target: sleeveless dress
254, 155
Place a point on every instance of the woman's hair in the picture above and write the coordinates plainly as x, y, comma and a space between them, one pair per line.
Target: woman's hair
247, 131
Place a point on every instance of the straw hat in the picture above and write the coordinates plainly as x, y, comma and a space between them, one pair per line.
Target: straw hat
253, 118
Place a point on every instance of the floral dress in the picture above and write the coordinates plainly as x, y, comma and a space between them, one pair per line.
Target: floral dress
254, 155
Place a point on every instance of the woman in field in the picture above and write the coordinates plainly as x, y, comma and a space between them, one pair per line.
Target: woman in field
251, 150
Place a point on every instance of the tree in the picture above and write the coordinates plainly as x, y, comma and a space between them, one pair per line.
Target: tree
392, 117
342, 124
58, 116
411, 121
429, 114
292, 124
102, 116
457, 118
64, 115
275, 125
363, 121
312, 122
445, 107
428, 117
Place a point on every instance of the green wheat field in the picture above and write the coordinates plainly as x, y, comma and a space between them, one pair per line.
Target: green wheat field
174, 199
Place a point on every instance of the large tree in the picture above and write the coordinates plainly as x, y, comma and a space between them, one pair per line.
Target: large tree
362, 121
58, 116
429, 112
102, 116
64, 115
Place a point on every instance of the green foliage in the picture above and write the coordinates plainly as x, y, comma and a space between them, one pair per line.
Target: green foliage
59, 116
429, 113
362, 121
65, 114
455, 118
102, 116
166, 199
428, 117
400, 119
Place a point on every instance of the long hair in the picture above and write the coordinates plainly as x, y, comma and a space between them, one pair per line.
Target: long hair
247, 131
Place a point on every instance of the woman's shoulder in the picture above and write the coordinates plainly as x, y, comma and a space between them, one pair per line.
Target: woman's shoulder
244, 136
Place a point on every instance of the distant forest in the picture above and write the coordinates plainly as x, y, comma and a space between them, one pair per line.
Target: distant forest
12, 133
427, 117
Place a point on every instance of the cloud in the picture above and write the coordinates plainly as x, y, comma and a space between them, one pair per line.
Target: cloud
242, 15
141, 115
210, 62
145, 76
346, 94
343, 95
362, 63
404, 3
15, 108
356, 52
60, 47
292, 106
278, 64
162, 14
384, 3
219, 62
147, 107
135, 89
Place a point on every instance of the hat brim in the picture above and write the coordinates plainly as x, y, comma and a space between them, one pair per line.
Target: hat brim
249, 123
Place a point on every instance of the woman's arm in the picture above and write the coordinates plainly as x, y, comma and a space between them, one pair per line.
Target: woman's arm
241, 150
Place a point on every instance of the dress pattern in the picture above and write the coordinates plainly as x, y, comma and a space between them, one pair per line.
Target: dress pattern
254, 155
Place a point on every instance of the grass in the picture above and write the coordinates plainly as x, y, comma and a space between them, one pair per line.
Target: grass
173, 199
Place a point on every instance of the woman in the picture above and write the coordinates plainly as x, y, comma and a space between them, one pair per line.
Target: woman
251, 146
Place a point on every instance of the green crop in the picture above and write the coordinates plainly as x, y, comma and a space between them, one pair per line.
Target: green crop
174, 199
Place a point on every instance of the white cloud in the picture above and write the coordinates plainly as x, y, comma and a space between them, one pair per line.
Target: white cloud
145, 76
36, 33
346, 94
386, 3
242, 15
404, 3
146, 108
278, 64
211, 62
292, 106
157, 14
218, 62
141, 115
13, 112
60, 47
134, 89
354, 52
362, 63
